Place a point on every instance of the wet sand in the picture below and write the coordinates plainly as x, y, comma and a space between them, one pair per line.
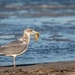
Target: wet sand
57, 68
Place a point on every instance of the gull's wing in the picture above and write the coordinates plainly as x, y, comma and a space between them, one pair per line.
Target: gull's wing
14, 43
15, 47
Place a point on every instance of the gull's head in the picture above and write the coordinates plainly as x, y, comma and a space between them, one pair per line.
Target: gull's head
30, 31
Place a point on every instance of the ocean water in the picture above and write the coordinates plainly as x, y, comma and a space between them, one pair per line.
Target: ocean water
56, 41
57, 35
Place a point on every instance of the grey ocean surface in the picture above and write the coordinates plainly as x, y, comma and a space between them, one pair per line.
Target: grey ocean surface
56, 41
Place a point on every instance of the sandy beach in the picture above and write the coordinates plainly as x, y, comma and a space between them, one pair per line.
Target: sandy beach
56, 68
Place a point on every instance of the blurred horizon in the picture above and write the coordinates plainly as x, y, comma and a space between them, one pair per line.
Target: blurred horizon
51, 2
36, 8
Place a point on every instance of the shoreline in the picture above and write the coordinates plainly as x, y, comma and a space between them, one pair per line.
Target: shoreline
53, 68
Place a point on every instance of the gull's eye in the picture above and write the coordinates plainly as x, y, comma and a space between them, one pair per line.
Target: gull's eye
30, 30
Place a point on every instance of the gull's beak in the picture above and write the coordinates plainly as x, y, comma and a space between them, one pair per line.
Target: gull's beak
36, 35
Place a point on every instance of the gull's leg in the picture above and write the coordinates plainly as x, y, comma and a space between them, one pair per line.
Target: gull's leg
14, 61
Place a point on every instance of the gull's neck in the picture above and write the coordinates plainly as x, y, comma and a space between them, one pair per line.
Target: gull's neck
25, 38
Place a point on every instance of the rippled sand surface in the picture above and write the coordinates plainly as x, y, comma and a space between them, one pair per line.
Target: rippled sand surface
59, 68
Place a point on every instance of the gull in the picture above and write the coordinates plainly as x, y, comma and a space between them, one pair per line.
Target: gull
18, 46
